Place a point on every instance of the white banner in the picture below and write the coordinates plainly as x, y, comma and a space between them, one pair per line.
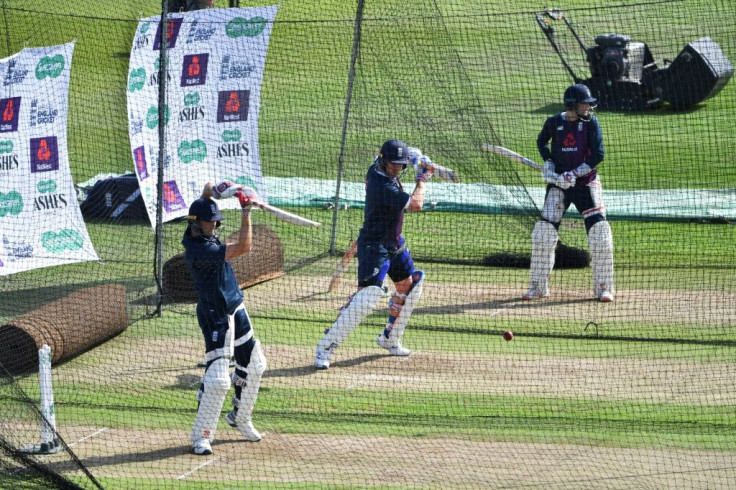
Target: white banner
40, 218
215, 64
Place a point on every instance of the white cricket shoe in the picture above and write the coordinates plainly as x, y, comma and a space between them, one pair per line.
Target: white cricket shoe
394, 347
202, 447
606, 297
322, 357
535, 293
246, 428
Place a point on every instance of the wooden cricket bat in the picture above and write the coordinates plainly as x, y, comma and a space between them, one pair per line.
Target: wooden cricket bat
342, 266
288, 217
227, 189
443, 173
505, 152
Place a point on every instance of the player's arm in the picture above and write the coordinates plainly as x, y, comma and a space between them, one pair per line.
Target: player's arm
595, 143
416, 200
543, 138
423, 174
244, 241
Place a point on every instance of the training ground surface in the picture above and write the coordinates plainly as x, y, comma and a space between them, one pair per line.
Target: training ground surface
424, 459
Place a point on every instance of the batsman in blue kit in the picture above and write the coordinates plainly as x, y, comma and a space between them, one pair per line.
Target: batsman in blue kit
570, 170
382, 251
224, 321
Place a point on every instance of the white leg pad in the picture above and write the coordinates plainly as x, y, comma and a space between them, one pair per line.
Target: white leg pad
411, 299
216, 383
350, 317
600, 241
249, 394
544, 242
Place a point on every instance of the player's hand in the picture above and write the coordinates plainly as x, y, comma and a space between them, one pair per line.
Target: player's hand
564, 183
247, 196
424, 171
569, 177
414, 154
548, 172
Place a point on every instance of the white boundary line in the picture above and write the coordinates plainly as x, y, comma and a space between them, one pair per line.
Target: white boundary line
100, 431
45, 457
196, 468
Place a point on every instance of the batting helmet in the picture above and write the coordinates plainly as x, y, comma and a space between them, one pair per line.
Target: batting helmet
395, 151
204, 209
578, 94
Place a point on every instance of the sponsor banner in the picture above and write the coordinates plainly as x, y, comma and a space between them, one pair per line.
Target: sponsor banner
214, 70
41, 224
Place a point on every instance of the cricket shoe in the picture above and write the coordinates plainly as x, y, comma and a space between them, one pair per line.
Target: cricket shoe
202, 447
246, 427
606, 297
322, 357
535, 293
394, 347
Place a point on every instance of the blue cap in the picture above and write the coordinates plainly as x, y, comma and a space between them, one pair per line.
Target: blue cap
395, 151
204, 209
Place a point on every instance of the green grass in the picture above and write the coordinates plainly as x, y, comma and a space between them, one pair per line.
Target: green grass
388, 413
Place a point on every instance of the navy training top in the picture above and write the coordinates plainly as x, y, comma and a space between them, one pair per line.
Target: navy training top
385, 203
573, 143
213, 276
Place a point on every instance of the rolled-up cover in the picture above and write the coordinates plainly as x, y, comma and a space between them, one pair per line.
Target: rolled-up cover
264, 262
69, 326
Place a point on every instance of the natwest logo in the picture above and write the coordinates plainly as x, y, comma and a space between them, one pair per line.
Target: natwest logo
44, 154
141, 167
232, 105
10, 110
194, 69
569, 143
172, 32
172, 197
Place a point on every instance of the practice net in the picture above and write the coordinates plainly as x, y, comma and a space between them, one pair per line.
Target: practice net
638, 392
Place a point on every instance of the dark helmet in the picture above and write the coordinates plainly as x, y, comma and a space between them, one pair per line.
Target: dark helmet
578, 94
395, 151
203, 209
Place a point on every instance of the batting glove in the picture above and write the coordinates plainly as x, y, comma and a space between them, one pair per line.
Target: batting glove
246, 201
565, 180
225, 189
424, 172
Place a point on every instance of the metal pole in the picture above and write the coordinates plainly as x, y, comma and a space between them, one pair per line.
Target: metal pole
162, 72
7, 27
348, 100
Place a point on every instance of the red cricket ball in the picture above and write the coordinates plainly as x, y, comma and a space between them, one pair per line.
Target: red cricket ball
508, 335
